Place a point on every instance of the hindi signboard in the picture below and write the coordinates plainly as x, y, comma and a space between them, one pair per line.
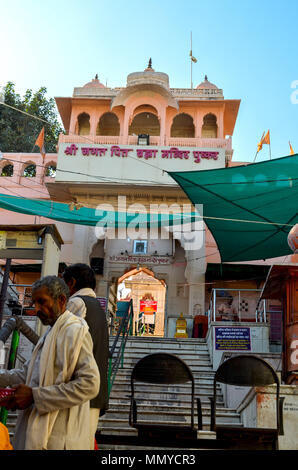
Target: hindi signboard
232, 339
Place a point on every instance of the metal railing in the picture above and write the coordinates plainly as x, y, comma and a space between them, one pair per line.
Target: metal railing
238, 305
160, 140
116, 354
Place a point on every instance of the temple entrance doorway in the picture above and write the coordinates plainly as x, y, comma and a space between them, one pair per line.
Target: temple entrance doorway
148, 295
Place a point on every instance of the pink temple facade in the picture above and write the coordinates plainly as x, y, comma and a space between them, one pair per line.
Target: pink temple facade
185, 127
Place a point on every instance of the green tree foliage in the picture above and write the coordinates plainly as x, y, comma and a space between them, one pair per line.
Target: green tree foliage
18, 132
30, 171
7, 170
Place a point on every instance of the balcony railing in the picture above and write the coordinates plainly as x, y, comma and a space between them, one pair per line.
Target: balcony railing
236, 305
199, 142
88, 139
154, 140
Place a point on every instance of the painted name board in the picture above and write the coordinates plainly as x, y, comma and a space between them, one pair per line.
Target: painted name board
232, 339
140, 259
148, 306
132, 164
145, 153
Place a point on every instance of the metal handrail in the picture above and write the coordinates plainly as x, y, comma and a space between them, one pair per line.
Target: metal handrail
211, 312
117, 357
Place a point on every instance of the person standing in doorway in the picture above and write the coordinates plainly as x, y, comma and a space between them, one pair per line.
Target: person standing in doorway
81, 281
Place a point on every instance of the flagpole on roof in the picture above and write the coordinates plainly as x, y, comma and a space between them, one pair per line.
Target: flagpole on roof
191, 60
259, 146
268, 141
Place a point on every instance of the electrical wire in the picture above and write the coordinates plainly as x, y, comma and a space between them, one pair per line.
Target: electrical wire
179, 283
198, 217
24, 112
203, 217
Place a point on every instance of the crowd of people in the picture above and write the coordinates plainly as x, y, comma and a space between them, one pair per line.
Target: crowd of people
62, 389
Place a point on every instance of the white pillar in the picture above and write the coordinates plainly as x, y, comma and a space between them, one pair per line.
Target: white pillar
50, 266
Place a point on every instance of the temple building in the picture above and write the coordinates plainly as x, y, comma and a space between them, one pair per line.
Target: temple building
118, 146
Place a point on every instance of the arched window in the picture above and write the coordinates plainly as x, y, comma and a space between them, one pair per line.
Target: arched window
183, 126
209, 128
30, 171
83, 127
108, 125
145, 123
50, 170
7, 170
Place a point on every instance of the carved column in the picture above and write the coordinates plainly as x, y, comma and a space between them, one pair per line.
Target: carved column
162, 115
199, 124
124, 137
72, 125
93, 124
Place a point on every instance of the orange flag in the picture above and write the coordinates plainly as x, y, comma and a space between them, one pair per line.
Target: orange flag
40, 143
291, 149
260, 144
266, 139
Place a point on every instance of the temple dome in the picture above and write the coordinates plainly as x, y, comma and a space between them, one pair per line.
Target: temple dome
206, 84
95, 83
148, 76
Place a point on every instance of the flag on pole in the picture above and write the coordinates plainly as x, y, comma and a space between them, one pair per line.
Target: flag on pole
40, 143
260, 144
192, 58
264, 140
291, 149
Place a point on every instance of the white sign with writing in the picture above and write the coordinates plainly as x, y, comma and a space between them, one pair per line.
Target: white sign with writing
83, 162
141, 259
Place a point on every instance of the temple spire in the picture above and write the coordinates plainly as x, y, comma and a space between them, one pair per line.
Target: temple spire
149, 67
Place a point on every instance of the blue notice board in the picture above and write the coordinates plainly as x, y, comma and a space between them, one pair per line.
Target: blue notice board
232, 339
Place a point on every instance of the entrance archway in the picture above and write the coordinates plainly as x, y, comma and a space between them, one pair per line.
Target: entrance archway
149, 300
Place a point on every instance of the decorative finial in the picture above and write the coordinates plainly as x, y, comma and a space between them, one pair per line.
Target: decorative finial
96, 77
206, 78
150, 63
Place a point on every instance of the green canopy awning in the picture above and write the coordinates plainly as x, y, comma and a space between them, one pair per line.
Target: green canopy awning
92, 217
249, 209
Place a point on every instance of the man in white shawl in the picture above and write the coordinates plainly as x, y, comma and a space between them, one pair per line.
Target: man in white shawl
54, 388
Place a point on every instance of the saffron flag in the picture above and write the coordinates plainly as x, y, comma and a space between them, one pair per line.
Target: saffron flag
291, 149
260, 144
40, 143
264, 140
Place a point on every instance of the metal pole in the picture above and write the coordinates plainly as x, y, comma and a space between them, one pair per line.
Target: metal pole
4, 287
11, 364
191, 60
214, 301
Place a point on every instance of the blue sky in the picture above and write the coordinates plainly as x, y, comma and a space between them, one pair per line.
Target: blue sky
248, 48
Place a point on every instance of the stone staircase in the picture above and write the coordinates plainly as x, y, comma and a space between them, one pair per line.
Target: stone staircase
163, 404
160, 404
